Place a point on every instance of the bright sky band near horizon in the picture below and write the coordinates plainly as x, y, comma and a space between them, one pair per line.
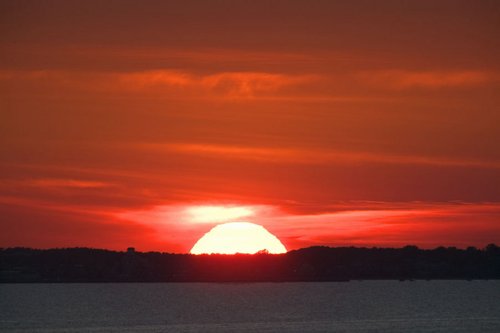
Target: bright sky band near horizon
338, 123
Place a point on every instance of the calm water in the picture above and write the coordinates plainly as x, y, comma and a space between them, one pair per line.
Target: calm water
365, 306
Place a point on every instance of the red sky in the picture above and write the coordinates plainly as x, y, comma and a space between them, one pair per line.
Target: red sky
366, 123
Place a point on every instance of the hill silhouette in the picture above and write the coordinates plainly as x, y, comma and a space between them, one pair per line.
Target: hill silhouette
309, 264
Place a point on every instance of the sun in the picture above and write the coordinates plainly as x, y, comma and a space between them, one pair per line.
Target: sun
238, 237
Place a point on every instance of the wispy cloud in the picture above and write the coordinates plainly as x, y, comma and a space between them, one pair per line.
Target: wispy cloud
50, 205
405, 79
195, 213
314, 156
388, 224
144, 58
423, 224
65, 183
228, 84
169, 83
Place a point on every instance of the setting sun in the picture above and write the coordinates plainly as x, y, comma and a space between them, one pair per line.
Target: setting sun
238, 237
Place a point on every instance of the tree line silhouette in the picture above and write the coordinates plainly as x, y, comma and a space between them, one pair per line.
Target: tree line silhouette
315, 263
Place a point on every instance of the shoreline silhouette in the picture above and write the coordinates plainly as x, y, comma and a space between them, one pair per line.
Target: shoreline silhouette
314, 264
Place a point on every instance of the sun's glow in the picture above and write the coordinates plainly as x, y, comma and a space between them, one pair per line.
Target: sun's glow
218, 213
238, 237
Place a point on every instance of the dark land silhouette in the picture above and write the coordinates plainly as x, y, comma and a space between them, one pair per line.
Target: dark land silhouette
309, 264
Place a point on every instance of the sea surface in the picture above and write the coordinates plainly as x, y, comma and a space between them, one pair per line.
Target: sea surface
356, 306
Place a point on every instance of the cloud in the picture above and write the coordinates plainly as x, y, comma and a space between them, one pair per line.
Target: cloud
228, 84
424, 224
196, 213
45, 225
53, 206
382, 224
406, 79
218, 213
313, 156
162, 82
143, 58
65, 183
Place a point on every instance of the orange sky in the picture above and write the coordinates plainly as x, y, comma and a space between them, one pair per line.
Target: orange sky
371, 123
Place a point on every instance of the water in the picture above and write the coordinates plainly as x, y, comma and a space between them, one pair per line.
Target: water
358, 306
